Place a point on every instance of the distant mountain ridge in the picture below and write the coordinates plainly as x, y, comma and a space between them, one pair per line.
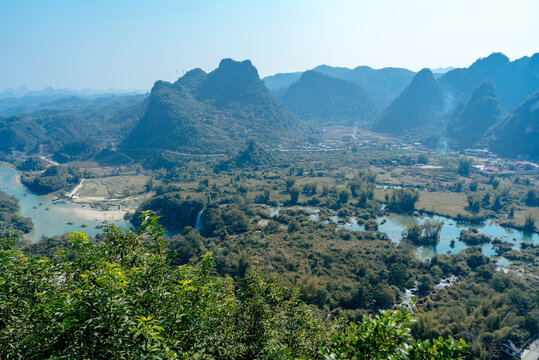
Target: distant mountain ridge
515, 80
281, 80
49, 91
381, 85
325, 100
68, 119
442, 70
467, 103
213, 112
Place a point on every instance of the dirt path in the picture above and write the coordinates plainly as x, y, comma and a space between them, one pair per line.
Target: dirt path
74, 191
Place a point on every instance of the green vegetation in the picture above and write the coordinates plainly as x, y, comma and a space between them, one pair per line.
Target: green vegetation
254, 156
212, 112
120, 298
515, 80
486, 307
33, 163
53, 179
363, 341
420, 105
473, 237
19, 133
470, 122
326, 100
77, 150
529, 224
517, 133
62, 126
12, 224
402, 200
175, 211
381, 85
465, 167
426, 234
260, 262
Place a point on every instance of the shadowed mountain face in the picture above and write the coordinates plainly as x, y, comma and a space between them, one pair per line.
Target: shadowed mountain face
326, 100
515, 80
423, 104
471, 120
517, 134
209, 113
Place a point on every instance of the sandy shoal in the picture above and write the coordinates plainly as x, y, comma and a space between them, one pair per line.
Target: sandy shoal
100, 215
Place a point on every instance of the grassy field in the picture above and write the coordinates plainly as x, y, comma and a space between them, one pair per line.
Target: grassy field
445, 203
113, 187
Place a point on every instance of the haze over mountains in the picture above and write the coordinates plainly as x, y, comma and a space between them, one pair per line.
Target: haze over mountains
327, 100
430, 104
208, 113
515, 80
381, 85
423, 103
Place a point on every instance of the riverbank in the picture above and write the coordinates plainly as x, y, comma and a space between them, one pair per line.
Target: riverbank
55, 218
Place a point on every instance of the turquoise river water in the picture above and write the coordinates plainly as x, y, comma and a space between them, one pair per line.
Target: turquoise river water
53, 221
394, 225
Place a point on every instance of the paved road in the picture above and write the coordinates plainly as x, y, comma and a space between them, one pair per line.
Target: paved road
533, 354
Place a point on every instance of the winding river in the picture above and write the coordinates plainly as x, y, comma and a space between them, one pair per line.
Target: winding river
53, 221
394, 225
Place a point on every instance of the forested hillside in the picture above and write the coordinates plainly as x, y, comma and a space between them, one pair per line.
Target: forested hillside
70, 120
423, 104
516, 134
324, 100
209, 113
472, 119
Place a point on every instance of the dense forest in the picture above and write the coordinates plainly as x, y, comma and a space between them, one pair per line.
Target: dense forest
12, 224
121, 298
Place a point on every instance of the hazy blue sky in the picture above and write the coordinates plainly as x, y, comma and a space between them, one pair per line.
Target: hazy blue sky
130, 44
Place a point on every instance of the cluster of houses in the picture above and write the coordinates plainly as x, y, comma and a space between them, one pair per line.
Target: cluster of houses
489, 163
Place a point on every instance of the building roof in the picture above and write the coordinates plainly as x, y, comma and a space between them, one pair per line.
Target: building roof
511, 346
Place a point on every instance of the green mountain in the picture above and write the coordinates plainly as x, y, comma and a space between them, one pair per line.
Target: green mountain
19, 133
69, 119
381, 85
470, 122
253, 156
328, 100
210, 113
423, 104
517, 134
515, 80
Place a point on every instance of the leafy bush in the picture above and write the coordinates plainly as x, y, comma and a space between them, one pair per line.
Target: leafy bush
402, 200
121, 299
